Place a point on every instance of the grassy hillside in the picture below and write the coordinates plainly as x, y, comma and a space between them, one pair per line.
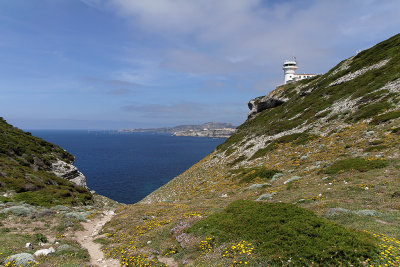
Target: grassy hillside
25, 162
330, 152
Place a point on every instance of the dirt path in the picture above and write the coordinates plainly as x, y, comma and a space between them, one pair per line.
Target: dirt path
86, 237
170, 262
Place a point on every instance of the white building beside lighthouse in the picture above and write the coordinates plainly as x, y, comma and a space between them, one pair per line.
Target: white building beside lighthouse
289, 69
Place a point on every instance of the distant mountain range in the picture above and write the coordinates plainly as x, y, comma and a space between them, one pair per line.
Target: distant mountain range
209, 129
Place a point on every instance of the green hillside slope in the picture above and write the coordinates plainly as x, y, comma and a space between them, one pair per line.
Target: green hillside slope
329, 152
25, 164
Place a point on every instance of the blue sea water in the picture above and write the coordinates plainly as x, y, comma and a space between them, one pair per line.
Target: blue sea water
128, 166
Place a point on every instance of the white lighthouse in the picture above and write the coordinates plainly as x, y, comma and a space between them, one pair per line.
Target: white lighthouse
289, 68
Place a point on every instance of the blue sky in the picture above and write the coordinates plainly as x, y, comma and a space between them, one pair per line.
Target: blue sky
111, 64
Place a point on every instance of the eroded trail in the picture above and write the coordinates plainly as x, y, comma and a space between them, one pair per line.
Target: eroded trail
86, 237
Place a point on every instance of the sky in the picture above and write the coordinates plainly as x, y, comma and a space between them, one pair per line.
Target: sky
112, 64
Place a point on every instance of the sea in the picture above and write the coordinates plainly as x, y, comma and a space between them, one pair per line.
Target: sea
126, 167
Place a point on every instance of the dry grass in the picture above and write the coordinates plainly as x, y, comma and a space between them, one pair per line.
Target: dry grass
208, 187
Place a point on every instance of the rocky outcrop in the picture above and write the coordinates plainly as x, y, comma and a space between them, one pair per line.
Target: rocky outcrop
353, 75
70, 172
262, 103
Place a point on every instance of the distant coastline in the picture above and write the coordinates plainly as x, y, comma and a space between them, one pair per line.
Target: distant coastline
209, 129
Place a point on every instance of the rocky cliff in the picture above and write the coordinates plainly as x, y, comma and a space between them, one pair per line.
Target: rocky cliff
69, 172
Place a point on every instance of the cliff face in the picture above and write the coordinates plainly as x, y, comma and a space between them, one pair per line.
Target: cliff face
32, 169
328, 144
69, 172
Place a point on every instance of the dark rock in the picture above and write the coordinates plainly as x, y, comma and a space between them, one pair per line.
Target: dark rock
45, 212
396, 194
259, 104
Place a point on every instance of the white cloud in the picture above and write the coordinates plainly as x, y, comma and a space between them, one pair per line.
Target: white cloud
245, 41
200, 63
262, 32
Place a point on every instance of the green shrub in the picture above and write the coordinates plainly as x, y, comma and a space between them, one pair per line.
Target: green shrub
386, 117
376, 148
40, 238
295, 139
263, 151
371, 110
396, 130
53, 195
358, 164
73, 253
5, 230
248, 175
5, 199
237, 160
282, 232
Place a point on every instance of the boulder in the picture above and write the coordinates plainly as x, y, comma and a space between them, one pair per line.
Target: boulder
266, 196
19, 259
255, 186
291, 179
44, 252
276, 176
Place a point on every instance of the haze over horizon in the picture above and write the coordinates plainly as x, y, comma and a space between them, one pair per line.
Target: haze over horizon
97, 64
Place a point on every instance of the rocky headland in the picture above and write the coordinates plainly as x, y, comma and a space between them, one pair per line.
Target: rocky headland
209, 129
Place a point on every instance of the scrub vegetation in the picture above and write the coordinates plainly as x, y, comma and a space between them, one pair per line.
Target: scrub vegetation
284, 233
311, 182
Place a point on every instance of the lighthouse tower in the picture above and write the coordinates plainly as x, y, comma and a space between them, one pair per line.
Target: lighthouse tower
289, 68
